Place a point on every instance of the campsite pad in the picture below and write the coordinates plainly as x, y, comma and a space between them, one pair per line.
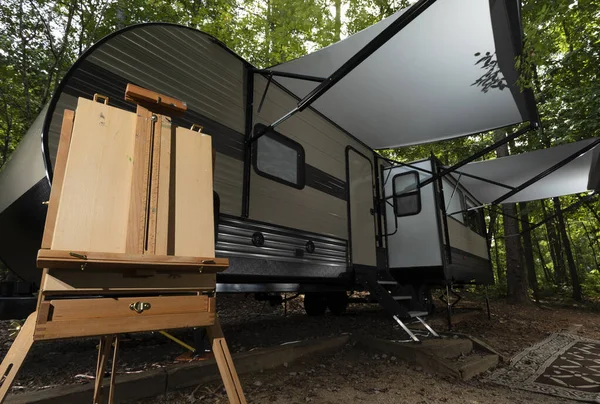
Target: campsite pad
562, 365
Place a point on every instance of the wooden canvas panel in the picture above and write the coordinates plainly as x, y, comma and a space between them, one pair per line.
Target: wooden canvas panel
194, 220
59, 175
94, 202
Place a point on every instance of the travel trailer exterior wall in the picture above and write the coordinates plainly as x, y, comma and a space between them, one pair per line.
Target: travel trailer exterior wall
298, 207
433, 237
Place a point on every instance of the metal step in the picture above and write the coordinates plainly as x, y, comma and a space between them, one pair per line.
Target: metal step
402, 298
387, 282
414, 314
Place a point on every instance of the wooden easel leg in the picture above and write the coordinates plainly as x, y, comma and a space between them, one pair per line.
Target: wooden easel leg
113, 372
225, 364
16, 355
103, 351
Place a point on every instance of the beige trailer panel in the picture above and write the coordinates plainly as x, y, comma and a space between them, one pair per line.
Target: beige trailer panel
464, 239
307, 209
324, 143
229, 177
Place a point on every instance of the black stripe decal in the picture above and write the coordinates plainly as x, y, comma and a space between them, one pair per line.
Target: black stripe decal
324, 182
90, 79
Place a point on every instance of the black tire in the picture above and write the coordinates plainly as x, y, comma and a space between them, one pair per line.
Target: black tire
337, 302
315, 304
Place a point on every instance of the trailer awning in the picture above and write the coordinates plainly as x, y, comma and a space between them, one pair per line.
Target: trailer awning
448, 73
580, 175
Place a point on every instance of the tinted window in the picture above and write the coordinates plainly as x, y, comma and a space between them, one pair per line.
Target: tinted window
279, 158
407, 196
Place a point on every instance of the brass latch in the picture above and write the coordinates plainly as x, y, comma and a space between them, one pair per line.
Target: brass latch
139, 307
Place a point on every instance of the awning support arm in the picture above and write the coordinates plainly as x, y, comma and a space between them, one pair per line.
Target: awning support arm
547, 172
388, 33
483, 152
288, 75
262, 100
476, 177
568, 208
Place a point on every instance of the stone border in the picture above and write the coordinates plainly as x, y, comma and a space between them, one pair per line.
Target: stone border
153, 383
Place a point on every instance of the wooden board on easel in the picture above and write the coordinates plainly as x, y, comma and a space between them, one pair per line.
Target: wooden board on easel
130, 213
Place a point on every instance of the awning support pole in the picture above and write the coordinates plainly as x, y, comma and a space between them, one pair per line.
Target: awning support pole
476, 177
547, 172
262, 100
388, 33
568, 208
483, 152
289, 75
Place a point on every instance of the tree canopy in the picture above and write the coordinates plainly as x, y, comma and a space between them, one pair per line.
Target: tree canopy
40, 39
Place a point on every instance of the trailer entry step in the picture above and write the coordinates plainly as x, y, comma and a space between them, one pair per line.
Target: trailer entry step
402, 297
414, 314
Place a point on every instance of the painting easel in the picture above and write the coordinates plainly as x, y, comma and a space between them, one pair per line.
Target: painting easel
128, 244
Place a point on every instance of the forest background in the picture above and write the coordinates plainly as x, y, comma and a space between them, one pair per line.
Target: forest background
39, 41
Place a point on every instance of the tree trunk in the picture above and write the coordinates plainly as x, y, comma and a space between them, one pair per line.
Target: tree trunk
569, 253
528, 251
516, 279
338, 20
555, 250
24, 63
499, 272
591, 242
547, 274
591, 208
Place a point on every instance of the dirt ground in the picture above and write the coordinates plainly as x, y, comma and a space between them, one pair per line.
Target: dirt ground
347, 376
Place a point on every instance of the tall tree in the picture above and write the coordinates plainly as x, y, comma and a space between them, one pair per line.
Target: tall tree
528, 250
577, 295
516, 279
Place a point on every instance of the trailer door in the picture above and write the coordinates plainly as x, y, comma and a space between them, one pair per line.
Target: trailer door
361, 212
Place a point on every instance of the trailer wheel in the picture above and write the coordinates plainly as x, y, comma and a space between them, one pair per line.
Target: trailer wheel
337, 302
315, 304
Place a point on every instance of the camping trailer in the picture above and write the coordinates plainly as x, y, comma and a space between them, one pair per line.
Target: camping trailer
305, 203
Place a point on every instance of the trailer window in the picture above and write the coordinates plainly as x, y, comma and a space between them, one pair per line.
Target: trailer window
278, 158
473, 217
407, 196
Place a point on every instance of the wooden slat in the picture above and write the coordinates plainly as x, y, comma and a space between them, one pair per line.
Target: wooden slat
148, 98
78, 309
73, 282
59, 174
136, 223
94, 200
227, 370
155, 148
16, 355
104, 261
93, 327
164, 189
194, 220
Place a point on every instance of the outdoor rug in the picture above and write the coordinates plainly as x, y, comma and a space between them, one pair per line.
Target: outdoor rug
562, 365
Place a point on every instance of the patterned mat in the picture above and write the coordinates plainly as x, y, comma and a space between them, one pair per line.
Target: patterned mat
562, 365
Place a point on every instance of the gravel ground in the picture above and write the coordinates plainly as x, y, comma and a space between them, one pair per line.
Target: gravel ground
352, 376
249, 324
